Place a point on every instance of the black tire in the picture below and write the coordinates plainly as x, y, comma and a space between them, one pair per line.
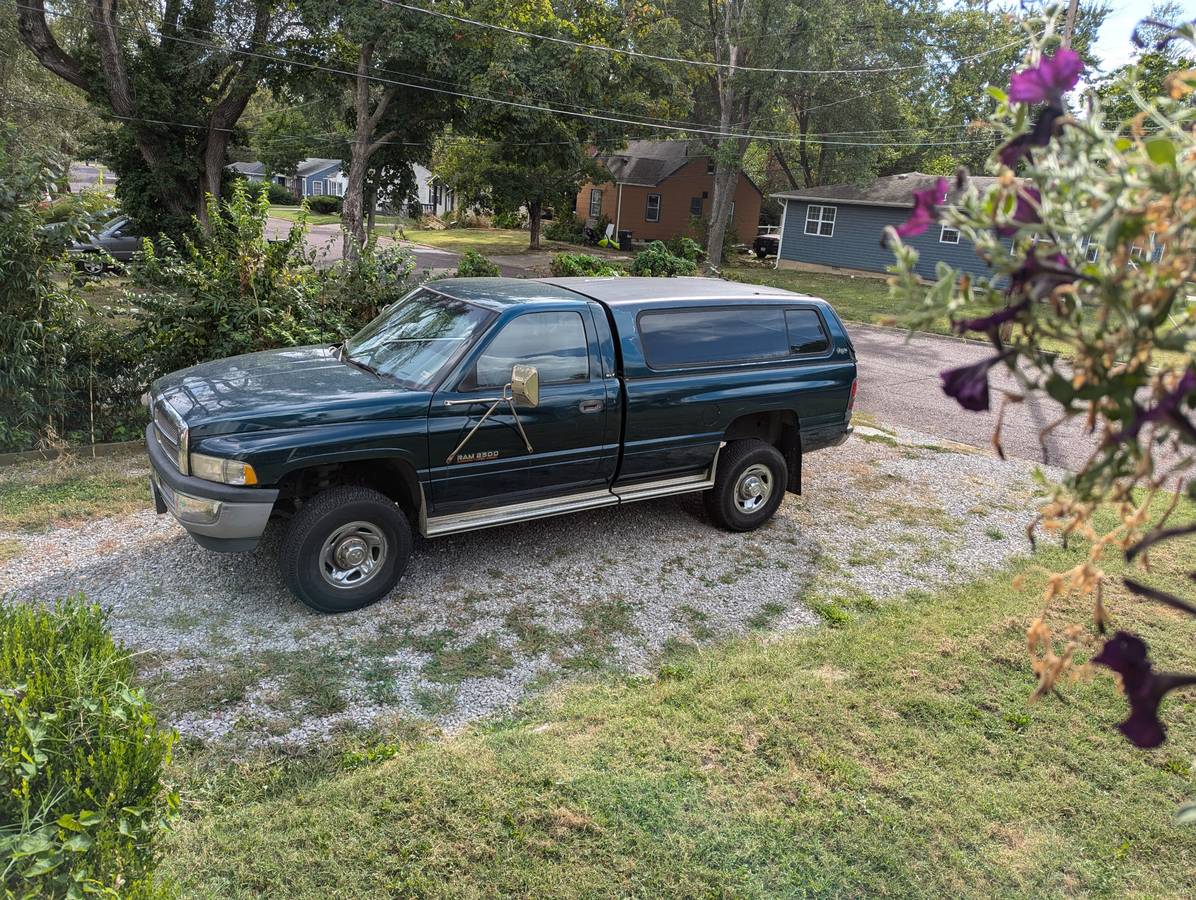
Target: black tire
741, 460
93, 267
377, 522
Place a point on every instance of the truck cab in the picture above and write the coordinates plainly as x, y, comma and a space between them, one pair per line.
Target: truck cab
479, 402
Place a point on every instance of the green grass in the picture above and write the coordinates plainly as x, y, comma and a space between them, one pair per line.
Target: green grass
35, 495
487, 241
893, 755
856, 299
291, 213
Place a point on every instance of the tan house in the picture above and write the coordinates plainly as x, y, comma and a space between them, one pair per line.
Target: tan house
656, 187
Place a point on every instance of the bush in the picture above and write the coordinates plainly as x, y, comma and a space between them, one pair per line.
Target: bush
569, 230
83, 807
280, 195
686, 248
571, 265
503, 219
325, 203
474, 265
658, 262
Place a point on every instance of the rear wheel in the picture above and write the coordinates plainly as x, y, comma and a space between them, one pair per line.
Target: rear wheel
345, 549
91, 266
748, 486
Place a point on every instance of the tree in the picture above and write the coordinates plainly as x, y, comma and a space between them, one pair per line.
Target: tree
176, 92
514, 154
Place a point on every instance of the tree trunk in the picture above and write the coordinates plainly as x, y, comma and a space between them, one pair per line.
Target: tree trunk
534, 212
779, 155
726, 179
364, 145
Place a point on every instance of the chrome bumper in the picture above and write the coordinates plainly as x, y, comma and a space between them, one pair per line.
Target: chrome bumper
218, 516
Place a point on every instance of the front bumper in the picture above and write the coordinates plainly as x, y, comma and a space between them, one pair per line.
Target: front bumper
219, 516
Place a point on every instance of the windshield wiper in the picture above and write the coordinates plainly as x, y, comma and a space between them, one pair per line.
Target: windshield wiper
344, 357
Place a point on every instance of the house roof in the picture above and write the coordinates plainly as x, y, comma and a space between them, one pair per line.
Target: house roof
314, 164
892, 190
247, 168
648, 163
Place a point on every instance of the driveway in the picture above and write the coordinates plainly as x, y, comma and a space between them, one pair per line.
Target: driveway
899, 383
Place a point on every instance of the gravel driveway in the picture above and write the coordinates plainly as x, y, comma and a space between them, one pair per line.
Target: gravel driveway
482, 619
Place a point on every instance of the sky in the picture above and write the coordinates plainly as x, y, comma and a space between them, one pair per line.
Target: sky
1113, 45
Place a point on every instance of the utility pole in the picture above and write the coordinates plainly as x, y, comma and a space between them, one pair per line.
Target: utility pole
1070, 25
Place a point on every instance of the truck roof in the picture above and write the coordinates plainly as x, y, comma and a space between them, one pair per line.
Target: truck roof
496, 293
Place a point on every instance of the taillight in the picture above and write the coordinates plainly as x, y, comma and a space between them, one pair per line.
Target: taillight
851, 400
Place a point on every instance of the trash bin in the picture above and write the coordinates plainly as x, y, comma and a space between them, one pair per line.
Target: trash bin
624, 240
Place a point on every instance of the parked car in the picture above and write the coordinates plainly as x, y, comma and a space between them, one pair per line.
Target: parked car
118, 239
767, 242
476, 402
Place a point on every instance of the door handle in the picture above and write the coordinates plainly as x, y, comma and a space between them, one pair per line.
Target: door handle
590, 406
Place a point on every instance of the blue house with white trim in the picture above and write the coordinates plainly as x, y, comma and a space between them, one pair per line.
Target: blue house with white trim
839, 227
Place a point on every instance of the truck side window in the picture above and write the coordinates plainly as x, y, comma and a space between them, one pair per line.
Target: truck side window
805, 331
696, 337
553, 342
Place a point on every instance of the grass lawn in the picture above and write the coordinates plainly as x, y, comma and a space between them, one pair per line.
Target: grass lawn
894, 754
856, 299
291, 213
35, 495
488, 241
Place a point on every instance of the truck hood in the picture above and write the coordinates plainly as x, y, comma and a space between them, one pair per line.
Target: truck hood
294, 387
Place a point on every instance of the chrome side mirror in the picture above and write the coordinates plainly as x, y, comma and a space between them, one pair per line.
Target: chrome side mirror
525, 385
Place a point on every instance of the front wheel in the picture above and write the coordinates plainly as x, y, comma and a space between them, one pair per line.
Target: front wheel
91, 266
345, 549
748, 486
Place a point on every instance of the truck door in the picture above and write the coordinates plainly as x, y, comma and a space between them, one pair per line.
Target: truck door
570, 451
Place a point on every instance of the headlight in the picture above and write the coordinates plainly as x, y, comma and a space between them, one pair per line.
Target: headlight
226, 471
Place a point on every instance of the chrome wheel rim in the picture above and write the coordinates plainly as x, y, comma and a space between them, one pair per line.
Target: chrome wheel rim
753, 488
91, 267
353, 555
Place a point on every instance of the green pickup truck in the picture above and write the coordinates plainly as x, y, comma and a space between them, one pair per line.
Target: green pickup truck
476, 402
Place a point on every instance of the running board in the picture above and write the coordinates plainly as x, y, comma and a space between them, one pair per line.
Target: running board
559, 506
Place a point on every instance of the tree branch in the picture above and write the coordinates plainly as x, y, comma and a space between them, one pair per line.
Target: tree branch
113, 63
36, 35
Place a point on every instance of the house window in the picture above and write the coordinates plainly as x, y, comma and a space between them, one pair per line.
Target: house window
595, 203
432, 193
652, 212
820, 220
710, 167
695, 206
317, 187
948, 235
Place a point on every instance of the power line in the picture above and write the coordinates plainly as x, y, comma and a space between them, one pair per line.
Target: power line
537, 107
689, 62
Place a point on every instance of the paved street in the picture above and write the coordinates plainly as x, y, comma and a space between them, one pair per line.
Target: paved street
899, 384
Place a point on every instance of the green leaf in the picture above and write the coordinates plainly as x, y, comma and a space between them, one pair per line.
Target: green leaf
1186, 814
77, 843
69, 822
996, 93
1161, 151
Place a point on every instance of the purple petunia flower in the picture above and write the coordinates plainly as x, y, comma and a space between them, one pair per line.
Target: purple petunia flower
1039, 136
1168, 409
926, 207
968, 385
993, 321
1145, 689
1047, 82
1025, 212
1037, 277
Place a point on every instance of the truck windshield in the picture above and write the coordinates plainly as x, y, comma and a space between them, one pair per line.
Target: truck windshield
416, 338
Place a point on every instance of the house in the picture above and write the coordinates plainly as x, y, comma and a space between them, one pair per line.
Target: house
656, 187
839, 227
434, 196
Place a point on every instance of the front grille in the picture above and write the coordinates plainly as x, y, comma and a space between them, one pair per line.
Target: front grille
170, 432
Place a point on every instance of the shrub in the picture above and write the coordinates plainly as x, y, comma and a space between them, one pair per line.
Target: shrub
686, 248
658, 262
504, 219
567, 265
325, 203
279, 194
570, 230
83, 807
474, 265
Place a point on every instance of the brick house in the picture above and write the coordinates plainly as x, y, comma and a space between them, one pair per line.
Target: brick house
657, 186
